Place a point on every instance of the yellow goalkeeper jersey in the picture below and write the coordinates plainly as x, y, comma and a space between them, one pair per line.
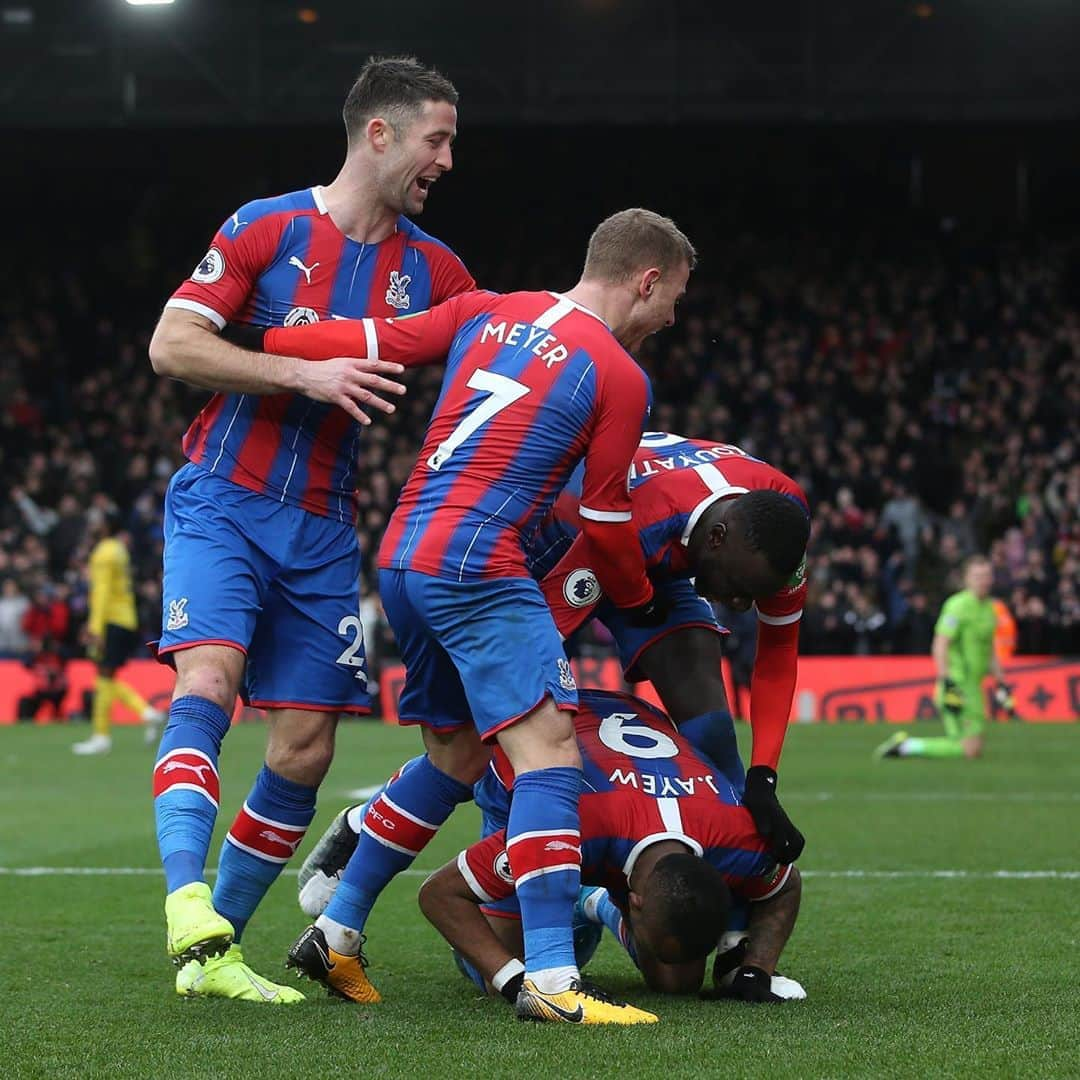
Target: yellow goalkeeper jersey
112, 599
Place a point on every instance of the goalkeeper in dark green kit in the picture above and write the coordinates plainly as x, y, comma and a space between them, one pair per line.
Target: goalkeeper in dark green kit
963, 652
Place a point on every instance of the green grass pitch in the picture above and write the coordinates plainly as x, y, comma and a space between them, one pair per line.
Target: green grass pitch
918, 957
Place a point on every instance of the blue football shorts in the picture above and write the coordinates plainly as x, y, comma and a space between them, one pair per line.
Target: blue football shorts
278, 583
475, 652
687, 610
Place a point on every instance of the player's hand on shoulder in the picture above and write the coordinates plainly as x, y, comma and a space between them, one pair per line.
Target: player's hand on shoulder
352, 383
784, 840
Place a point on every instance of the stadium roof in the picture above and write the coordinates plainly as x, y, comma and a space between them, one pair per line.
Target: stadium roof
225, 62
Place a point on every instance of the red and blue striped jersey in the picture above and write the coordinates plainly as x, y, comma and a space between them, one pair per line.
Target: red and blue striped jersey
673, 481
643, 783
283, 262
534, 385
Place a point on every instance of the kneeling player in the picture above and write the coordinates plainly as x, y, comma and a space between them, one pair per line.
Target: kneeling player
702, 508
664, 832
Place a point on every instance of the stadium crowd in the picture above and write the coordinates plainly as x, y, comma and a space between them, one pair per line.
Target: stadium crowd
927, 405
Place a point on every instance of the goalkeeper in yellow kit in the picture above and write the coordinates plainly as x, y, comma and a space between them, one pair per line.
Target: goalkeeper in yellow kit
963, 652
111, 639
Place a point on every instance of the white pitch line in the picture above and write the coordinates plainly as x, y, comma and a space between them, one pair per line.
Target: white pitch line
970, 875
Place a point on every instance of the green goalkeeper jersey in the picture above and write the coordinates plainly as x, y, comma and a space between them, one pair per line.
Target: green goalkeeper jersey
968, 623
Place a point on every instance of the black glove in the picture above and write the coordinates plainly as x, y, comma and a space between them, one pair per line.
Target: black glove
952, 697
244, 335
754, 985
653, 612
726, 962
785, 842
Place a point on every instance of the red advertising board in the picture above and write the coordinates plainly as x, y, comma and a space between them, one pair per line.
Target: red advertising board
894, 689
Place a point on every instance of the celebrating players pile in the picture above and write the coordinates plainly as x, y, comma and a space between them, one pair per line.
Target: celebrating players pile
517, 525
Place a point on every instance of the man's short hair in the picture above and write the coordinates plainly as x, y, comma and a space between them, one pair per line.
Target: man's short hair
634, 240
775, 525
395, 88
691, 900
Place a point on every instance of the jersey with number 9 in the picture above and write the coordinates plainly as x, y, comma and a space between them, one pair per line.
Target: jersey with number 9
643, 783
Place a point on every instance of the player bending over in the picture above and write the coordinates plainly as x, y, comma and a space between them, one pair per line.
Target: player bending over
963, 652
714, 524
700, 508
535, 383
662, 829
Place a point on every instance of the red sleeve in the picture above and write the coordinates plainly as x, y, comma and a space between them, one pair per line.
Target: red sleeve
612, 546
448, 275
486, 869
423, 338
223, 281
571, 588
776, 666
772, 687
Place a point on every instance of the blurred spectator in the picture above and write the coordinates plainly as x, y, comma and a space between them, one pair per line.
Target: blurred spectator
49, 673
47, 617
926, 400
13, 608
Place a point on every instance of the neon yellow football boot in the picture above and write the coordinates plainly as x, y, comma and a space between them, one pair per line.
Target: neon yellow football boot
194, 929
583, 1003
227, 976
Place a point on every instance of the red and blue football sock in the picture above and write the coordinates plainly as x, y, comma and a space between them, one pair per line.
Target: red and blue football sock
543, 843
262, 839
187, 788
397, 824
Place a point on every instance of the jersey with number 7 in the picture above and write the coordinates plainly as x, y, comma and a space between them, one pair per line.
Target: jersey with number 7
534, 384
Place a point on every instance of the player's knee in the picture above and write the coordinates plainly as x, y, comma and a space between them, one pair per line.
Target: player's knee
461, 755
542, 740
209, 682
209, 672
301, 747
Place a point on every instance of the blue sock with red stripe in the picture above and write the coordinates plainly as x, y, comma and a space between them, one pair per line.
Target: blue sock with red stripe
262, 839
186, 787
713, 733
543, 843
398, 823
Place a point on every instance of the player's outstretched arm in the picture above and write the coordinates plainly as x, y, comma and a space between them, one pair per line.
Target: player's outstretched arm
772, 688
422, 338
186, 346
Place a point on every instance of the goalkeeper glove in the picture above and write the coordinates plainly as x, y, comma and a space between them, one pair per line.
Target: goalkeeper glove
952, 697
785, 842
653, 612
1004, 699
